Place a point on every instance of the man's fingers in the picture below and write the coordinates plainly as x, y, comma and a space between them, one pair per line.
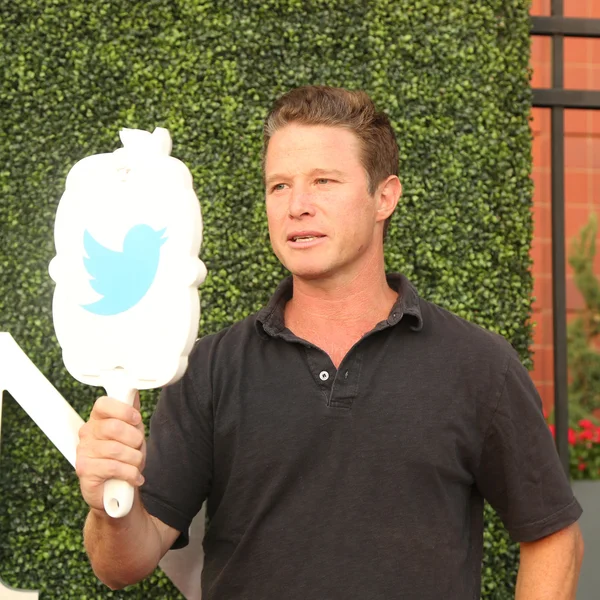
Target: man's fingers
111, 450
104, 469
109, 408
111, 429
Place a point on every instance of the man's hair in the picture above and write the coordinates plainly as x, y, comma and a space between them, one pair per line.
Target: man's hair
349, 109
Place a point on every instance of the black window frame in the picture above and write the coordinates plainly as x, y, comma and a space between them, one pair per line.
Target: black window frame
557, 27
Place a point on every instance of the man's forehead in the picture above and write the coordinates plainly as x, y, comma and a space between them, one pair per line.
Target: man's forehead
312, 148
308, 133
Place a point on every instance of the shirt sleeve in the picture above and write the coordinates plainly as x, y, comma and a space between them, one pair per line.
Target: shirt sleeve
179, 458
520, 473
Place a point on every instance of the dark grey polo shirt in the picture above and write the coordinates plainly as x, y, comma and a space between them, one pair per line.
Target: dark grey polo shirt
363, 482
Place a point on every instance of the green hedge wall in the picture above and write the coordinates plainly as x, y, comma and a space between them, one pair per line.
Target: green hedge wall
453, 75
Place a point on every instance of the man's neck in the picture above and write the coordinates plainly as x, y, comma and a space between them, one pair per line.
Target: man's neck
335, 314
363, 298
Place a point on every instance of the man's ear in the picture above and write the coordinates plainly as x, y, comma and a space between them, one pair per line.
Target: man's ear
388, 194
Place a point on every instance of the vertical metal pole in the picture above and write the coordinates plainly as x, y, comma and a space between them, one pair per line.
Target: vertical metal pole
559, 303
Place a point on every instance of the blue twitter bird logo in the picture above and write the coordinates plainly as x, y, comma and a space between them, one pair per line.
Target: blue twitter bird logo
122, 278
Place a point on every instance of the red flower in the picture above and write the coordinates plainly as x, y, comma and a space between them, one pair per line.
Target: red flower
572, 437
552, 430
586, 424
581, 466
586, 434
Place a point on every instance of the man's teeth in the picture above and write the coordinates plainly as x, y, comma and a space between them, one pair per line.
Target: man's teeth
306, 238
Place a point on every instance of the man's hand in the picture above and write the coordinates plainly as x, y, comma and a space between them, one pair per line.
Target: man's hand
550, 567
111, 446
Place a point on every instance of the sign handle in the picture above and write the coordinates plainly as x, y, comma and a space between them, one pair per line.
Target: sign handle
118, 495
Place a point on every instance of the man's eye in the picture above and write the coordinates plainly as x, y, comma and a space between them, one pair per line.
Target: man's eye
323, 180
277, 187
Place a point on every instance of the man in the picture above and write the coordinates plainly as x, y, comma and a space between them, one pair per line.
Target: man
346, 435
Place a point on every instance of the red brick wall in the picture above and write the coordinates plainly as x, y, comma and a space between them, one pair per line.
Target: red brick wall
582, 176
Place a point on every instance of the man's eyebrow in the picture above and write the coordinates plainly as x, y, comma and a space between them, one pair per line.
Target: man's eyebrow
274, 177
334, 172
313, 173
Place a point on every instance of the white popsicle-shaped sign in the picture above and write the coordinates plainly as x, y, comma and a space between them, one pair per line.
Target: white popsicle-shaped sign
126, 309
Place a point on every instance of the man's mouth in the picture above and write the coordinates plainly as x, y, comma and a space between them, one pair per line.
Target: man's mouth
304, 238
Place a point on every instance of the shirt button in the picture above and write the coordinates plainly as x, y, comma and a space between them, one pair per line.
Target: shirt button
324, 375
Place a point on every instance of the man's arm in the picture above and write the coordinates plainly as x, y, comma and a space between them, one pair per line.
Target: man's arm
550, 566
112, 446
126, 550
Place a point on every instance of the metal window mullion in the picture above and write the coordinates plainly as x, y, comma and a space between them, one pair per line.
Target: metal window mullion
580, 99
559, 303
567, 26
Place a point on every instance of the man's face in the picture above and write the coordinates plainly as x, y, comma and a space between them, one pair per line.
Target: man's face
322, 220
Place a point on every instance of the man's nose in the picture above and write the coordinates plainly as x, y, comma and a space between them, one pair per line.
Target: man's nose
301, 202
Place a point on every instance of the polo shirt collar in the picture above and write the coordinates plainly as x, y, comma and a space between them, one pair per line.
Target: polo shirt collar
270, 319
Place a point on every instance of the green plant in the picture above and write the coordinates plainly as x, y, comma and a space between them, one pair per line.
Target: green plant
501, 559
584, 361
453, 77
584, 329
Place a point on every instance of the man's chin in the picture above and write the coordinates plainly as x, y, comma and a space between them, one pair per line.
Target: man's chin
309, 273
309, 268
